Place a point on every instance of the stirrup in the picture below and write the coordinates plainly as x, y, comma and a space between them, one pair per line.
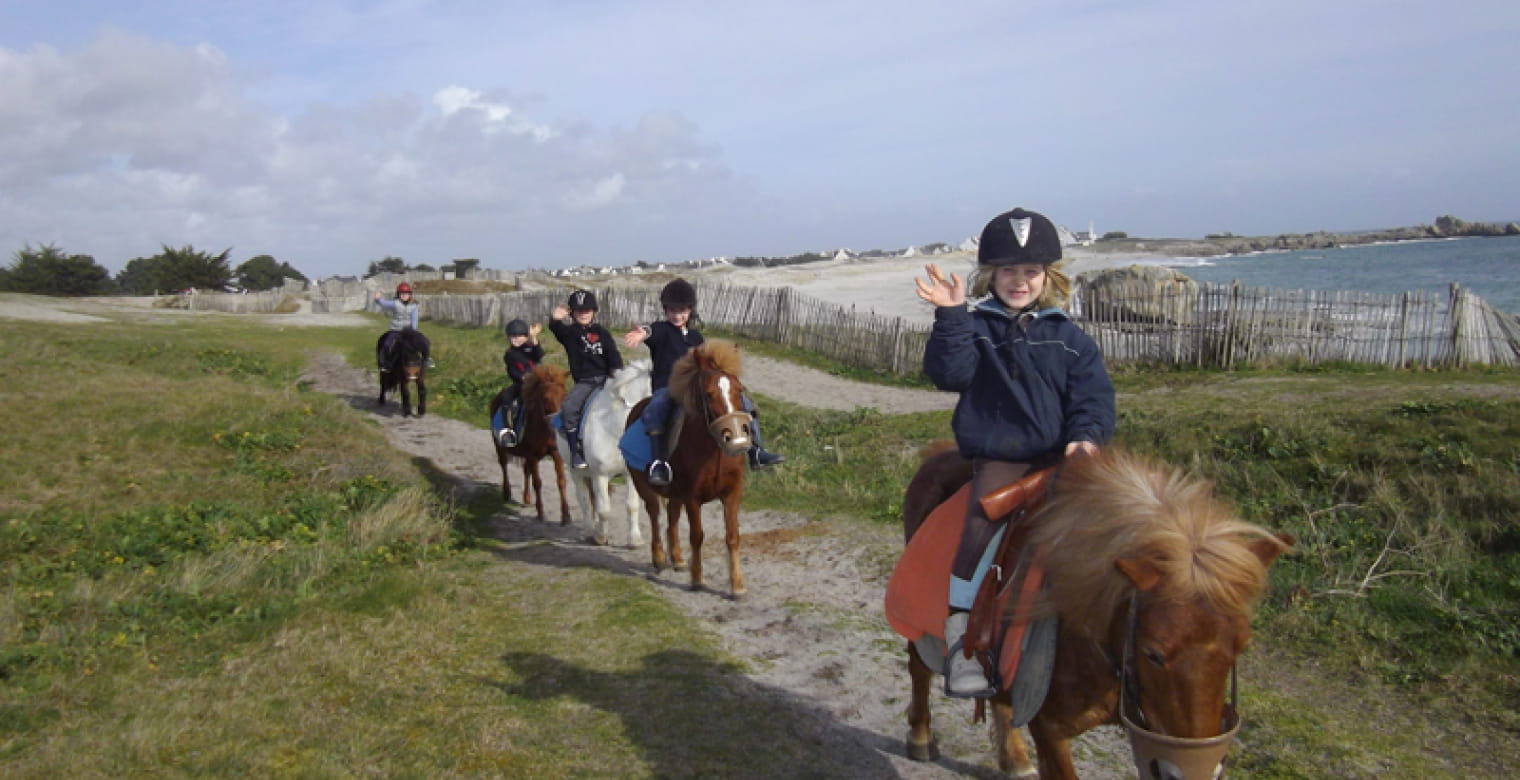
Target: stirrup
964, 677
507, 438
659, 473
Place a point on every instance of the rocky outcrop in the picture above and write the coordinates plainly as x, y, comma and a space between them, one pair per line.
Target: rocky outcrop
1139, 294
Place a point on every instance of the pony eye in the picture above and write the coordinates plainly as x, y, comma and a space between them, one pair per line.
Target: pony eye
1155, 657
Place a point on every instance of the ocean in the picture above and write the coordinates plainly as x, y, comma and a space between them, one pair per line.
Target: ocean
1488, 267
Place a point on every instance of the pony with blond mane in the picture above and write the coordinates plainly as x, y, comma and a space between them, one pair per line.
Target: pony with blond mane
1138, 555
711, 437
543, 391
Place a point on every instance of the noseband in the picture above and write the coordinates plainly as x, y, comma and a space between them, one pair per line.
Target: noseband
717, 424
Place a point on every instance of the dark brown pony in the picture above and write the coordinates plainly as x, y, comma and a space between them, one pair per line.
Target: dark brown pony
407, 368
711, 436
543, 392
1118, 529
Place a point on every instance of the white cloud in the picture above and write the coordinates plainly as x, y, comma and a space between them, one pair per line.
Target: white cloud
601, 193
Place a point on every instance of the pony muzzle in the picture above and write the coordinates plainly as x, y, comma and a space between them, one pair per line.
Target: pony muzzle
731, 431
1160, 757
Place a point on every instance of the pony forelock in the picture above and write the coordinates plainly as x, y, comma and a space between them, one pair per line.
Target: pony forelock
716, 354
1117, 506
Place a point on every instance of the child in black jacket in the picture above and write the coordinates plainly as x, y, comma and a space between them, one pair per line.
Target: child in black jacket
593, 356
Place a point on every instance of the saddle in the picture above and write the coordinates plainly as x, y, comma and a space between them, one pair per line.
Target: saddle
1017, 652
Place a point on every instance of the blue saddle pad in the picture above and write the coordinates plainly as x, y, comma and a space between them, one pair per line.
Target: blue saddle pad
557, 424
635, 446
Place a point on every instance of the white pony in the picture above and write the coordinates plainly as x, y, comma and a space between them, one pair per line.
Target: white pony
602, 425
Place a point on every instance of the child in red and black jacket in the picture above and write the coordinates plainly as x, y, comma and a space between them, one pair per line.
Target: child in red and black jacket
522, 355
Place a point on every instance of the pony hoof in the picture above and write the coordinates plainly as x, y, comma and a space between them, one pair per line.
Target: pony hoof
678, 566
923, 752
562, 522
599, 541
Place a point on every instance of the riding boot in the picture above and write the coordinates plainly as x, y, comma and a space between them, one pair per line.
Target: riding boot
759, 457
659, 470
577, 455
380, 361
964, 677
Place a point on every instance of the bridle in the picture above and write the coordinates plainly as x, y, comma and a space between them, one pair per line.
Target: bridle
717, 425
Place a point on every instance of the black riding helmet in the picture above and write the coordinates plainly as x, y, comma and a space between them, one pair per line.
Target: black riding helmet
517, 328
1019, 236
582, 300
679, 293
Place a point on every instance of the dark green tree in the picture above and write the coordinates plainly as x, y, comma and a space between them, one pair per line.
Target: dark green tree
423, 267
176, 269
390, 265
48, 270
465, 265
265, 273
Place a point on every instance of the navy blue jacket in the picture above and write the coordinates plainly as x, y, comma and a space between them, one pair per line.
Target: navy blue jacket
1028, 386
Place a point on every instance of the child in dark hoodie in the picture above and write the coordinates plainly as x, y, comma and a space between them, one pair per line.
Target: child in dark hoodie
523, 353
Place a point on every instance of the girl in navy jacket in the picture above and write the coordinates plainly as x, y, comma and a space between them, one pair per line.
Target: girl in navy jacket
1033, 389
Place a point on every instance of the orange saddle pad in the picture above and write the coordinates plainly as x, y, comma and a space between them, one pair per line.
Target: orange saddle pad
918, 593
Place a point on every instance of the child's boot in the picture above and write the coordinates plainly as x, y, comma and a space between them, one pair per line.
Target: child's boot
964, 677
659, 470
759, 457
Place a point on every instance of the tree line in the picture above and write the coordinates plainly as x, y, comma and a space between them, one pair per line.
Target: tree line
49, 270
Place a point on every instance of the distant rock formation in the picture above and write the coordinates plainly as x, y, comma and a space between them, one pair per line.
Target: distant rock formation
1140, 294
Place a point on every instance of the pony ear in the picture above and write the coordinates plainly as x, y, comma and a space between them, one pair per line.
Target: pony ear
1143, 572
1269, 548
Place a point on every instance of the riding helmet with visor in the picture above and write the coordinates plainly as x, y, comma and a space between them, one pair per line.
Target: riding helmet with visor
582, 300
517, 328
403, 288
1018, 237
679, 293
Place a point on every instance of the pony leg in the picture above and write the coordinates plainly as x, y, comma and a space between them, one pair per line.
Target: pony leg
531, 467
421, 396
1053, 750
406, 398
731, 540
559, 479
601, 500
921, 744
1012, 754
635, 532
694, 533
652, 505
673, 534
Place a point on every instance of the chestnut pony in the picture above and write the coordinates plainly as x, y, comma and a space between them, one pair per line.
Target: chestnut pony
407, 368
1118, 529
543, 391
711, 436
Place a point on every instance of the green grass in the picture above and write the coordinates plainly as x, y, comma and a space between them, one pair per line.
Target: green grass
212, 570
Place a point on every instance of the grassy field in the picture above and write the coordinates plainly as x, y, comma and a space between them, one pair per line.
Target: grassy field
211, 570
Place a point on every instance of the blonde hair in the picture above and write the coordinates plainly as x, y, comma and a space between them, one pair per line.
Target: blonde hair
1055, 295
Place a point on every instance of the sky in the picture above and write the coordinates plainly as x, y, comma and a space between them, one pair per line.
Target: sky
605, 132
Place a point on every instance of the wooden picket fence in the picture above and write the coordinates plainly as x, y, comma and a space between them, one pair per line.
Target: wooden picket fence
1199, 324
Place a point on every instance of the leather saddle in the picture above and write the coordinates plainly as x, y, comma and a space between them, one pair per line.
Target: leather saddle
1016, 651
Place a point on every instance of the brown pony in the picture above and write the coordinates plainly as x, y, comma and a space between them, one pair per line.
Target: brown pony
543, 391
711, 436
1135, 551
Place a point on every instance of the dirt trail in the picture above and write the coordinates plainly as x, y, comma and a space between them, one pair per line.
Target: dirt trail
812, 622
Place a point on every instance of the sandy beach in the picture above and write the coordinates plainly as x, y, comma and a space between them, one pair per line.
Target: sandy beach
885, 285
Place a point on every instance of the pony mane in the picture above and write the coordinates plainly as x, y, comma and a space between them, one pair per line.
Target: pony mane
624, 378
1115, 506
716, 355
541, 374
